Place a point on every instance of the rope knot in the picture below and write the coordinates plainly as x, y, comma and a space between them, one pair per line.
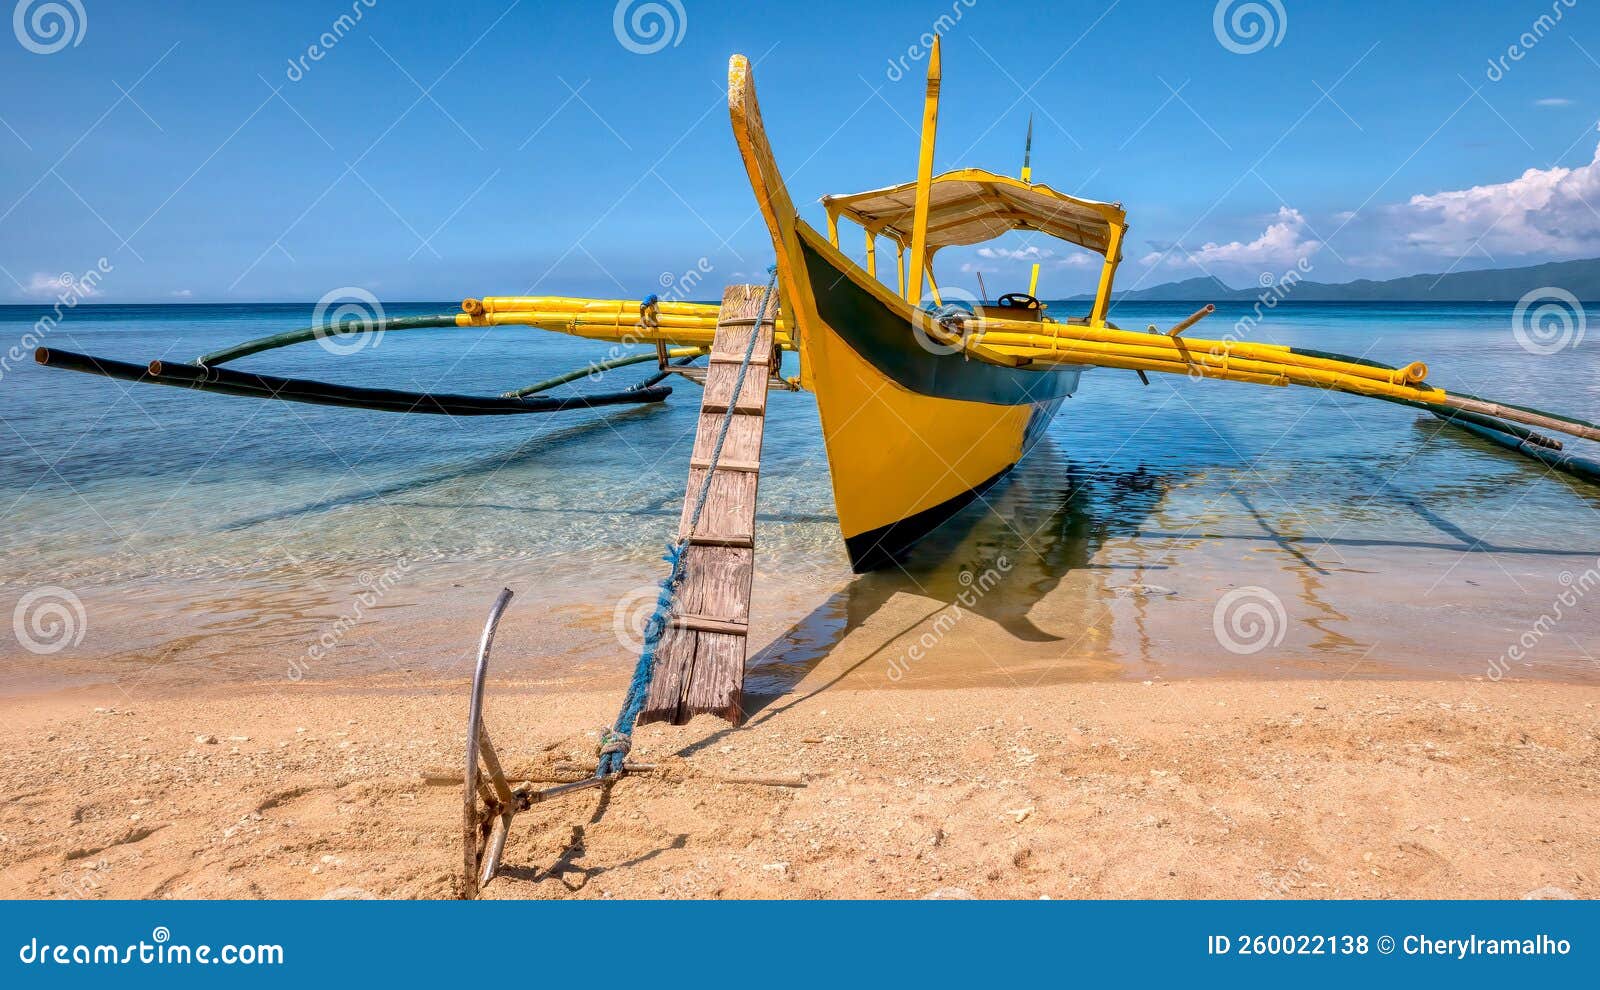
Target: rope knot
612, 741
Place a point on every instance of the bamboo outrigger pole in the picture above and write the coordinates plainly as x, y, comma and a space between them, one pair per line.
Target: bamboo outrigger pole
919, 223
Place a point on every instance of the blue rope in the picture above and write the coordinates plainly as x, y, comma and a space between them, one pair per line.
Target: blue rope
615, 742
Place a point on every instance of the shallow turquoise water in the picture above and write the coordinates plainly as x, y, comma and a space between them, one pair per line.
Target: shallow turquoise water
106, 483
105, 476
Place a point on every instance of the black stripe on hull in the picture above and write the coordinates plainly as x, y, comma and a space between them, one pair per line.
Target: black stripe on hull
878, 548
883, 337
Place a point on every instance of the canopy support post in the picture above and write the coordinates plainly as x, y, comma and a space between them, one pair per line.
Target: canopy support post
919, 225
1108, 274
933, 285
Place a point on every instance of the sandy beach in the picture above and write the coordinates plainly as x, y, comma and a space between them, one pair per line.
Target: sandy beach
1198, 788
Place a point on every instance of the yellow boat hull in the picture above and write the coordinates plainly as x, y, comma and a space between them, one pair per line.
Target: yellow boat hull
913, 433
914, 430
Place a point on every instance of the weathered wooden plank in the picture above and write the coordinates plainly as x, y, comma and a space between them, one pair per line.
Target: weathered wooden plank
719, 387
722, 583
674, 666
718, 683
730, 342
700, 660
729, 510
743, 442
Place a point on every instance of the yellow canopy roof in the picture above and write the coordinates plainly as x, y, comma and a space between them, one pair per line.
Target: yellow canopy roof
971, 205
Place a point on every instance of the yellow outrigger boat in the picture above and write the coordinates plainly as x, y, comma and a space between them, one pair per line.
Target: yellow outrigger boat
922, 407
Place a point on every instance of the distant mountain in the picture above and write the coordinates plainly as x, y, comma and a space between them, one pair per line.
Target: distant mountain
1581, 278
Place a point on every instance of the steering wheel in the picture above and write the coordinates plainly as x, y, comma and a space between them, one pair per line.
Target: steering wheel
1018, 300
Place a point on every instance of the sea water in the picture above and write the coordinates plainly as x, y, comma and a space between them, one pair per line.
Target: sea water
1150, 501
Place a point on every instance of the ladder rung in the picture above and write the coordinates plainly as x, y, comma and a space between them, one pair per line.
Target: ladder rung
704, 463
742, 408
747, 321
736, 542
705, 623
736, 359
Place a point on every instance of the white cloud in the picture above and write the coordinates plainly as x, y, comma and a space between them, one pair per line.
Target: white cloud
1283, 242
1553, 101
1545, 211
182, 293
46, 286
1030, 253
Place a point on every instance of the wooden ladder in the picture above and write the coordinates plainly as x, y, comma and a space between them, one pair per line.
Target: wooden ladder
699, 663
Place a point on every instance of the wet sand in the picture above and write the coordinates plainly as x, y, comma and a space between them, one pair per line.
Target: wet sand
1013, 608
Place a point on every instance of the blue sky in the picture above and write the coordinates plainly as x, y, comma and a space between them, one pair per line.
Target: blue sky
443, 150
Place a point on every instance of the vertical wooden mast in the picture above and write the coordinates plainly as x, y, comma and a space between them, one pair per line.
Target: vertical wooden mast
919, 226
1027, 153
